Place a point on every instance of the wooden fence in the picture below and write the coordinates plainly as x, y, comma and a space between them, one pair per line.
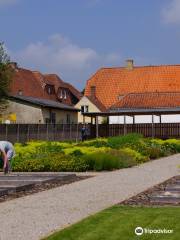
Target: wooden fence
159, 130
51, 132
60, 132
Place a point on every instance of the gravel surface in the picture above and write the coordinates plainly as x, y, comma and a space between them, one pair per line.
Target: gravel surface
33, 217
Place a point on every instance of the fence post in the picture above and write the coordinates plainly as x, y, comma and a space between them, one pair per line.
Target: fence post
17, 138
38, 132
28, 133
70, 131
47, 132
125, 127
54, 132
97, 127
62, 130
77, 132
153, 132
6, 132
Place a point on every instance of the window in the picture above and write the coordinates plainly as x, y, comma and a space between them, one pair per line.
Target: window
65, 95
50, 90
53, 118
61, 94
84, 108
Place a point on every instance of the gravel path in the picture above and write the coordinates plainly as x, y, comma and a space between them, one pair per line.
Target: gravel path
34, 216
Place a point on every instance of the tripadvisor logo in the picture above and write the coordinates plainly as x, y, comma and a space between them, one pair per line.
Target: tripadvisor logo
139, 231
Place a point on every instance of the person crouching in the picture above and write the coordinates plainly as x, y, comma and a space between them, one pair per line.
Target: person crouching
7, 152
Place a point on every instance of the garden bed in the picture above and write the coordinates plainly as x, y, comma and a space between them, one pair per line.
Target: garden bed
93, 155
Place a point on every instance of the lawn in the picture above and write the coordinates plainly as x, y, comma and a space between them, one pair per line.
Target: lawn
119, 223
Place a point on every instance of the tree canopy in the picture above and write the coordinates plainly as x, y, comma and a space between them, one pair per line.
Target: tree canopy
6, 72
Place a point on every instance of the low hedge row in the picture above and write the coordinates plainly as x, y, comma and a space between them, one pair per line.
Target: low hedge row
100, 154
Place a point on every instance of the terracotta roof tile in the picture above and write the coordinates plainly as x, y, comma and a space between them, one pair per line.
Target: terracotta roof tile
24, 80
112, 82
33, 83
58, 82
148, 100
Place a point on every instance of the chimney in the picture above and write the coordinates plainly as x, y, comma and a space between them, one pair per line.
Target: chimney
93, 91
129, 64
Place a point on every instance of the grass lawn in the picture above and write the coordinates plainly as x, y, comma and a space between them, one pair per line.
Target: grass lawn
119, 222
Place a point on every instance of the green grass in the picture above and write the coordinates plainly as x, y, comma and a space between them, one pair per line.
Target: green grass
118, 223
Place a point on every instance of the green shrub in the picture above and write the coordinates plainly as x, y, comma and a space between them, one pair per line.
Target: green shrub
121, 141
101, 161
158, 148
173, 145
99, 154
76, 153
109, 160
98, 143
136, 155
51, 162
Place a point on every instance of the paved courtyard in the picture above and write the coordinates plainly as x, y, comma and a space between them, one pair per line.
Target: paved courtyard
37, 215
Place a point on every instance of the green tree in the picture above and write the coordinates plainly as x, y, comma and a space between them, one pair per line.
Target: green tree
6, 72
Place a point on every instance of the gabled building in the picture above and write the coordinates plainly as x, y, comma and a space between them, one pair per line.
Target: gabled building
38, 98
132, 86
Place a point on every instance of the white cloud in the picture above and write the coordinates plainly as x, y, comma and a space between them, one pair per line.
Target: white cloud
171, 12
59, 55
7, 2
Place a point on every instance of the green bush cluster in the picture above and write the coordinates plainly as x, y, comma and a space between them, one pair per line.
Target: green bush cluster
97, 155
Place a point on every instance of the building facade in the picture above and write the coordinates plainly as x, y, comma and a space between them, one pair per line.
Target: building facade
38, 98
133, 86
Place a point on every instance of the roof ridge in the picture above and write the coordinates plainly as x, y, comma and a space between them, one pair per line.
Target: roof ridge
143, 93
137, 66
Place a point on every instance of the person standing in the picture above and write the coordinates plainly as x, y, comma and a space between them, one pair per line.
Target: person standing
83, 133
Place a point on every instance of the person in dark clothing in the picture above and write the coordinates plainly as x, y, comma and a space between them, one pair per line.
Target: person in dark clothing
83, 133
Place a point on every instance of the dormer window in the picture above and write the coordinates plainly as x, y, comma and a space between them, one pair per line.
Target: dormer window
50, 89
62, 94
65, 94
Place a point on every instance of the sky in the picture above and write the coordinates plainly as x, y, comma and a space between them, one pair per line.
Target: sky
74, 38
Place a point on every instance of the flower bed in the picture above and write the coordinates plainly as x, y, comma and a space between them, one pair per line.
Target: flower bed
99, 154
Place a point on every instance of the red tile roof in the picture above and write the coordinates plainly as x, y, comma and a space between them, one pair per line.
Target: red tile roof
114, 82
24, 80
33, 83
149, 100
58, 82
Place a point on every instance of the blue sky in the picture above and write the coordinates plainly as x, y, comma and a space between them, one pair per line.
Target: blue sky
73, 38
